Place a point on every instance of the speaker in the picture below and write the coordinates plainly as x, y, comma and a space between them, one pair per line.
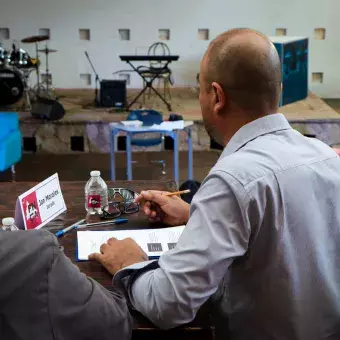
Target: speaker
293, 52
113, 93
47, 109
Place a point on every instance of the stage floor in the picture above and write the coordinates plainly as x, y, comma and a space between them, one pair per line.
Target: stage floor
79, 107
85, 128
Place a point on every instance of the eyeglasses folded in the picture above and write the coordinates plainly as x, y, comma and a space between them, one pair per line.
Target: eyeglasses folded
121, 201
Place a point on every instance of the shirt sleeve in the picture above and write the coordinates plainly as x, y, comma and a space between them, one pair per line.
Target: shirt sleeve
217, 232
80, 308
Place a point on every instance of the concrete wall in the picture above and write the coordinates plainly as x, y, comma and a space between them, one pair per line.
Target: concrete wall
104, 18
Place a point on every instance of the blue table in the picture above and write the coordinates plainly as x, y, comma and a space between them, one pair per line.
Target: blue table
115, 129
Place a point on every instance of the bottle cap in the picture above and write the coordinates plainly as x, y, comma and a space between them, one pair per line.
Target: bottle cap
8, 221
95, 173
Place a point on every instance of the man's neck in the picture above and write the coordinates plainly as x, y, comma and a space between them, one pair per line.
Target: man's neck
237, 121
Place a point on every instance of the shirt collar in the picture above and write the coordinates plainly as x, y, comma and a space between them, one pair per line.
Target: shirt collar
259, 127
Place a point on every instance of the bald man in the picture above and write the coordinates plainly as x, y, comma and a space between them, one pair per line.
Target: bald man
266, 220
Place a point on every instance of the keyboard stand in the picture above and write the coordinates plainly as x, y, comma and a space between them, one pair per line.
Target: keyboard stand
148, 84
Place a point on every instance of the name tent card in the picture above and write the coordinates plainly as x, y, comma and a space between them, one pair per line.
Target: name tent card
40, 205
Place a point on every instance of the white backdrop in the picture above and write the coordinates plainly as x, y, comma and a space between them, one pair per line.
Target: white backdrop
183, 17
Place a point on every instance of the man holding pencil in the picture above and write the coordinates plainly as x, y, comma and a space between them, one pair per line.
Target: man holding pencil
266, 220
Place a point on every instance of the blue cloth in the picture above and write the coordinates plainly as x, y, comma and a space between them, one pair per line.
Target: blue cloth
10, 140
9, 122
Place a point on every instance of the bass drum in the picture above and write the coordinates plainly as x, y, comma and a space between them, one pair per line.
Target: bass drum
11, 86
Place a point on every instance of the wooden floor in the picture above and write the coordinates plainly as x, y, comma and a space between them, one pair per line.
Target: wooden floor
79, 106
311, 108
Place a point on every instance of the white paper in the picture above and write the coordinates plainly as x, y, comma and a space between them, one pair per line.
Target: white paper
169, 125
42, 203
154, 242
164, 126
132, 123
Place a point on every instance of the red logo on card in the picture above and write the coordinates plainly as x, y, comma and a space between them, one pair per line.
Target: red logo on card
93, 201
31, 210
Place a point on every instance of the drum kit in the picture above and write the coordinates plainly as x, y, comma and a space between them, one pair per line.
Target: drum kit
16, 67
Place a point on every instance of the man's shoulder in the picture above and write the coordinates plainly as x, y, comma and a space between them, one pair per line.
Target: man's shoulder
258, 160
27, 241
243, 166
27, 258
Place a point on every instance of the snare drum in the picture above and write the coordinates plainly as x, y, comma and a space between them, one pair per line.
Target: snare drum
20, 59
11, 86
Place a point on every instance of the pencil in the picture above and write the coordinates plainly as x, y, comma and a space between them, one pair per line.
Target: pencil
169, 194
178, 193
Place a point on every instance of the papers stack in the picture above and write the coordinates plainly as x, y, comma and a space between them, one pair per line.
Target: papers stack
154, 242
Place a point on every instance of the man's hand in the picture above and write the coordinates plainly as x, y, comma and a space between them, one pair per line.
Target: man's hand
115, 255
160, 208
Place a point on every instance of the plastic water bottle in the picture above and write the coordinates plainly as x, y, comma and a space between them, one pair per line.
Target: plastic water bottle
8, 224
96, 197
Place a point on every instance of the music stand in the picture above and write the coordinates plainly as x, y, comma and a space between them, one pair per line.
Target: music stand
97, 79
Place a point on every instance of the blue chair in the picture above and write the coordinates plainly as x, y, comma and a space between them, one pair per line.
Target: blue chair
10, 141
148, 117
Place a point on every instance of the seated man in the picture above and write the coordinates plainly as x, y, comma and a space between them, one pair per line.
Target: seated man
44, 296
266, 220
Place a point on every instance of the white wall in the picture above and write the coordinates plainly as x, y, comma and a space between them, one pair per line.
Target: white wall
182, 17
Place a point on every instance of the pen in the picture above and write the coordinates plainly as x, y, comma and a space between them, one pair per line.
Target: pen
116, 221
64, 231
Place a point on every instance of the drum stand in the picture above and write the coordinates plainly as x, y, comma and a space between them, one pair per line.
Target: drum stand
47, 77
46, 84
37, 69
27, 100
27, 89
32, 93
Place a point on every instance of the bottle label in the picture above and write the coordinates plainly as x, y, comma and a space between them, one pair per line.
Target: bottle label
93, 201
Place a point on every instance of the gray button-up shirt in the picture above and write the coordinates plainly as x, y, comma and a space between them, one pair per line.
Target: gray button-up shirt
266, 220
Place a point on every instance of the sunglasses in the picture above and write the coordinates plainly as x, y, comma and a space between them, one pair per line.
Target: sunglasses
121, 201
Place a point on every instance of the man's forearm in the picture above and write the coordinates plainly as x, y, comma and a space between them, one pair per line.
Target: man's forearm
186, 215
191, 272
153, 295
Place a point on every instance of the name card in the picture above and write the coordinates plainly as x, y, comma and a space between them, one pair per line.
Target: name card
40, 205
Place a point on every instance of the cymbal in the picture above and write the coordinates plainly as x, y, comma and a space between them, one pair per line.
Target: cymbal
35, 38
47, 50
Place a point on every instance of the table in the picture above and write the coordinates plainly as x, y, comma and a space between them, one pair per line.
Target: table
200, 328
116, 128
155, 72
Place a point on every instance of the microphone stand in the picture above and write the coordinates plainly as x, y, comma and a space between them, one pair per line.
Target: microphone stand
96, 99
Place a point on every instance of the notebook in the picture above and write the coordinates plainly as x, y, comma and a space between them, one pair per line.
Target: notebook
154, 242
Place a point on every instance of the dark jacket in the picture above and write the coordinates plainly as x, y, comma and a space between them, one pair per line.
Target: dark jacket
44, 296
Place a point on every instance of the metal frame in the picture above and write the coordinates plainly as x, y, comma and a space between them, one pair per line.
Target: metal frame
148, 84
115, 130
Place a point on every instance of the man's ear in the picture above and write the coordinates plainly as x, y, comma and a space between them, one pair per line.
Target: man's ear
219, 97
